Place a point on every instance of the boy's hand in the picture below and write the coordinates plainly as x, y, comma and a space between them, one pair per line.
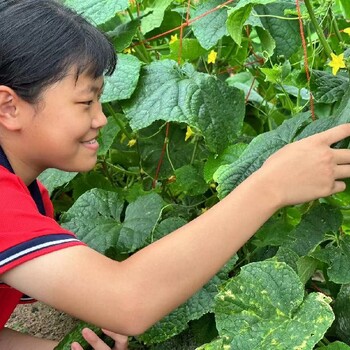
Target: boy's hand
308, 169
121, 341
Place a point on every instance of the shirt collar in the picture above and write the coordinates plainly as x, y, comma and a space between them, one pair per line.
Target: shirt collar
33, 187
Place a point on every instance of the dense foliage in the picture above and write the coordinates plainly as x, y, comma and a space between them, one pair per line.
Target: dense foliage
203, 93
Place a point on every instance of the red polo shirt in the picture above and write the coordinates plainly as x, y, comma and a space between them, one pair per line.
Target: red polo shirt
27, 230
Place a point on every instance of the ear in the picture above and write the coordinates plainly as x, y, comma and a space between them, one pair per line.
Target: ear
9, 101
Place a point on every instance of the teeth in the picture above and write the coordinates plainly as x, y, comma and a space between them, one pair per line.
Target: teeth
91, 142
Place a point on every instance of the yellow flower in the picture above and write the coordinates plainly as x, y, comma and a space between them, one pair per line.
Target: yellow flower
347, 30
128, 50
189, 133
173, 38
337, 62
212, 56
132, 142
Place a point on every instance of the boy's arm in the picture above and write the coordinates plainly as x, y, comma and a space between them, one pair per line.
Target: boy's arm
129, 296
13, 340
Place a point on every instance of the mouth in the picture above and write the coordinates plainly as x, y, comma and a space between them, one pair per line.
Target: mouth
90, 142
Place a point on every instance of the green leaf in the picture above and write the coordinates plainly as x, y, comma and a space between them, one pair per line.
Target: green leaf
306, 268
275, 232
197, 306
328, 88
335, 346
188, 181
167, 226
124, 33
264, 308
338, 259
172, 93
154, 15
345, 5
141, 217
228, 156
190, 50
314, 226
54, 178
286, 33
236, 20
230, 176
107, 136
98, 12
95, 219
342, 313
218, 344
342, 111
210, 28
238, 15
122, 83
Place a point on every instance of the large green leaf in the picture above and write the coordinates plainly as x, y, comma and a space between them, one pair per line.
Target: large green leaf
122, 35
286, 33
198, 305
107, 136
122, 83
335, 346
172, 93
210, 28
154, 15
328, 88
98, 12
264, 308
313, 228
230, 176
95, 219
228, 156
54, 178
342, 313
238, 15
141, 218
338, 258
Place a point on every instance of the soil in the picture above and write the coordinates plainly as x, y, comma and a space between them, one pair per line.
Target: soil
41, 321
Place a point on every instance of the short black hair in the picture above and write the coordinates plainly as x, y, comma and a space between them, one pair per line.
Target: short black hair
41, 40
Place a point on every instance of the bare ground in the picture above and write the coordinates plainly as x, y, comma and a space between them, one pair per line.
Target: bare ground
41, 320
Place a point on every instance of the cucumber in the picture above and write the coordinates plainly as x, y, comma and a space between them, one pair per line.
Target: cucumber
75, 335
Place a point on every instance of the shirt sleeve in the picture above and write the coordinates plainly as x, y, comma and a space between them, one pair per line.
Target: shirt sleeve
25, 233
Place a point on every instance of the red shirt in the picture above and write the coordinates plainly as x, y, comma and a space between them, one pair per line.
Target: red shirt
27, 230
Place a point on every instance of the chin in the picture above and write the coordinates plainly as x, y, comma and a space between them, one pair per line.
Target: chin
80, 168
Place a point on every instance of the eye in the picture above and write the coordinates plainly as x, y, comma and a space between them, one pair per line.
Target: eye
88, 103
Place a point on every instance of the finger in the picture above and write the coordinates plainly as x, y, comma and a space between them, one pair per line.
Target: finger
121, 341
342, 156
339, 186
336, 133
342, 171
76, 346
92, 338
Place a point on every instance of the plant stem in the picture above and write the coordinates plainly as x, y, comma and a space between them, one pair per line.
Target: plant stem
118, 121
334, 25
318, 29
142, 51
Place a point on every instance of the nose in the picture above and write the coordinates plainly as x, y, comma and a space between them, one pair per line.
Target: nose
99, 119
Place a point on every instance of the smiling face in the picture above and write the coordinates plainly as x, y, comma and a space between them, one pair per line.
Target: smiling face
60, 132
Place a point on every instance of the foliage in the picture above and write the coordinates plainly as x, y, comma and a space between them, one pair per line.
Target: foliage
203, 93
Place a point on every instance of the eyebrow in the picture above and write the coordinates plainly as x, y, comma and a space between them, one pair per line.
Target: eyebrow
93, 88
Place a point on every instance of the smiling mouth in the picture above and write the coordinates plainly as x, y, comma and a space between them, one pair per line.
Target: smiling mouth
90, 142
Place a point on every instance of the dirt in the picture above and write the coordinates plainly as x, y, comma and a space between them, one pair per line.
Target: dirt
41, 320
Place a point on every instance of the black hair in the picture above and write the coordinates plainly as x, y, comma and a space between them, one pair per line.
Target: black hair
41, 40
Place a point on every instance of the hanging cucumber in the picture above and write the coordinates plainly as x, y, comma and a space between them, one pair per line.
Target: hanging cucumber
75, 336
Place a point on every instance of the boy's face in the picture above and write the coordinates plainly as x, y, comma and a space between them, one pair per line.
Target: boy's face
61, 131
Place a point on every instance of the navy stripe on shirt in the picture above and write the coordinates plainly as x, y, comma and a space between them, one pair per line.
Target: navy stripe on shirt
34, 245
